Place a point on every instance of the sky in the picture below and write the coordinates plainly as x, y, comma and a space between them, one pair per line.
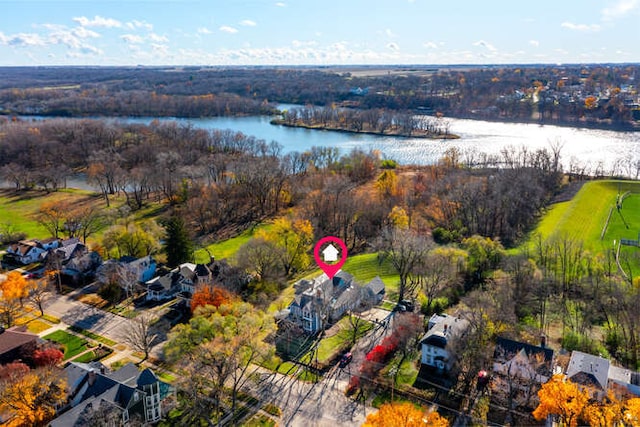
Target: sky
312, 32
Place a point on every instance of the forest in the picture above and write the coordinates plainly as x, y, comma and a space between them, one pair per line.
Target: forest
575, 95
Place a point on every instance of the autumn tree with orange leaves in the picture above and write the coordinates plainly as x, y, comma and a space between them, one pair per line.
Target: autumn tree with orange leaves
210, 295
562, 398
31, 397
12, 291
404, 415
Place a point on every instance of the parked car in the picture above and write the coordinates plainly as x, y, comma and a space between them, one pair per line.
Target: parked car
405, 305
346, 359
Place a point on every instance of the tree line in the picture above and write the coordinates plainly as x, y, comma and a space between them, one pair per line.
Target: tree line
584, 95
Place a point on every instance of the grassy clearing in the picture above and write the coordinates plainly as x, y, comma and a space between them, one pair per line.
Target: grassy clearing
72, 344
228, 248
584, 216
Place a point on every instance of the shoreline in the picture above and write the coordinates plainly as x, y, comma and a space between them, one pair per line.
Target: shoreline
421, 134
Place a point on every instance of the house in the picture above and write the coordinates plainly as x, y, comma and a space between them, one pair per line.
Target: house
375, 291
29, 251
122, 395
14, 343
624, 380
528, 362
66, 250
436, 344
142, 269
181, 280
519, 369
322, 301
81, 269
590, 371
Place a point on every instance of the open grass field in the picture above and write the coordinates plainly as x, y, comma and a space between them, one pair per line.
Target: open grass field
584, 216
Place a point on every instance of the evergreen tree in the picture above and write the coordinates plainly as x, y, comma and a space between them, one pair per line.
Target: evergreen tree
178, 245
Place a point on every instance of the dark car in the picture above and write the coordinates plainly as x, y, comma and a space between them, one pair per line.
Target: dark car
346, 359
405, 305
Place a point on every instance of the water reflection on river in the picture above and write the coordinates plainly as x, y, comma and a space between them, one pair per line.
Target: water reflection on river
588, 146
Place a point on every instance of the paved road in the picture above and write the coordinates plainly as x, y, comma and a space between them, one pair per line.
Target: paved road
76, 313
323, 404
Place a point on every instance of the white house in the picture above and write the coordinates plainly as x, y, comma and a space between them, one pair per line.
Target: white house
436, 343
30, 251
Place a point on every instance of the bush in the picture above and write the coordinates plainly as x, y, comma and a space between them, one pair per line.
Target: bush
388, 164
573, 341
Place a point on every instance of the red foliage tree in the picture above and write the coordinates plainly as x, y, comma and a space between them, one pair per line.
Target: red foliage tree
12, 371
47, 357
210, 295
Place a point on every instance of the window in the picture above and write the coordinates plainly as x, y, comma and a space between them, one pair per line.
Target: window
125, 416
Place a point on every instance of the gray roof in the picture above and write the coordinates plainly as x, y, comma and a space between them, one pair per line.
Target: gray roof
585, 367
445, 328
376, 286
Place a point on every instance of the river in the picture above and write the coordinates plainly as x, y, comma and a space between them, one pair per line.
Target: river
585, 146
590, 147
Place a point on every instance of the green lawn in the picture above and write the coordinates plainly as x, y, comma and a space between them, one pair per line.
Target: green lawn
228, 248
331, 347
72, 344
93, 336
584, 216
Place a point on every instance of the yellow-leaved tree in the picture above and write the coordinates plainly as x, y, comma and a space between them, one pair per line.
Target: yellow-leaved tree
32, 396
563, 398
293, 238
12, 290
604, 414
404, 415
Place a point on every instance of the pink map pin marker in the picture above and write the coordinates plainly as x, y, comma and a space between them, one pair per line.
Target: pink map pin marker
330, 253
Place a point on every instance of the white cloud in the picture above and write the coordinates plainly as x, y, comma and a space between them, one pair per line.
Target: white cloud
430, 45
23, 40
580, 27
160, 49
157, 38
132, 39
619, 9
228, 29
393, 46
135, 25
298, 43
486, 45
280, 4
389, 33
83, 33
534, 43
203, 30
98, 21
248, 23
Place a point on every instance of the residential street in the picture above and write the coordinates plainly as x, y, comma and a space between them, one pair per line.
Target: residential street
76, 313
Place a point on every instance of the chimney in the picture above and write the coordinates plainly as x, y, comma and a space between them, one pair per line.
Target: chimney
92, 377
543, 341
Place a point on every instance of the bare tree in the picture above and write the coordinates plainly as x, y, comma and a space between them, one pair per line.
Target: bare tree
404, 249
39, 293
139, 334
